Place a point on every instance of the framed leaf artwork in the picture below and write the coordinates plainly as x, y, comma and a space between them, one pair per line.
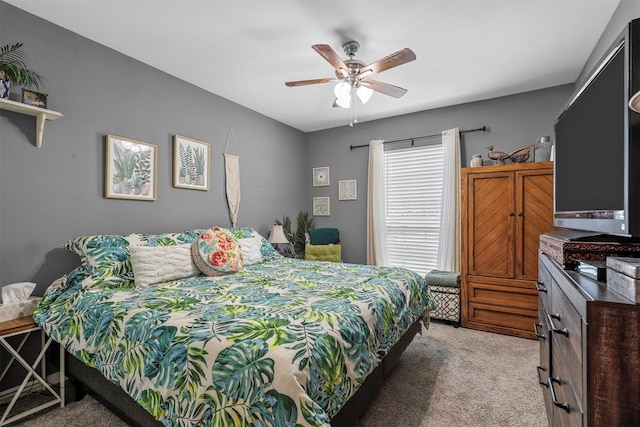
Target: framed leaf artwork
190, 163
130, 169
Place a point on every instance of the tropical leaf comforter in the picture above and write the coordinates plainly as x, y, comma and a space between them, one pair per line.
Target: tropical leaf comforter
283, 342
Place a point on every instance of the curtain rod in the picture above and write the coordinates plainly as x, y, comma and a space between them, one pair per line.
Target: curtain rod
482, 129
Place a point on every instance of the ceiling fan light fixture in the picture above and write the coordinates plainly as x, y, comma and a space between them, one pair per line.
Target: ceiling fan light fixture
344, 102
364, 93
342, 91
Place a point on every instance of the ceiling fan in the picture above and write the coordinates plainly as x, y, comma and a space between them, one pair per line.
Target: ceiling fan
353, 76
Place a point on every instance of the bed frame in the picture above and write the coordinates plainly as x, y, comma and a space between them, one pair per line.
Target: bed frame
88, 380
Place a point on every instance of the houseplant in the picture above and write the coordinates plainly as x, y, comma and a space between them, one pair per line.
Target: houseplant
297, 239
14, 69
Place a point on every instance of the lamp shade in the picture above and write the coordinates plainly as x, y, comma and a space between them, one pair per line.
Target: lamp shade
364, 93
277, 235
634, 102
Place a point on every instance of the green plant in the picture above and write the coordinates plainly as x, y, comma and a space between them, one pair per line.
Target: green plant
13, 67
143, 167
297, 239
124, 161
198, 154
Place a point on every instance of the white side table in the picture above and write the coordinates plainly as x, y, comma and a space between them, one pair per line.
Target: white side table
25, 326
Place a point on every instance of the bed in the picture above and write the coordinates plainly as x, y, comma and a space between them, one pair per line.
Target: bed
260, 340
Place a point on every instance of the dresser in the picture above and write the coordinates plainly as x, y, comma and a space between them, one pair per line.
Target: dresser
589, 368
505, 209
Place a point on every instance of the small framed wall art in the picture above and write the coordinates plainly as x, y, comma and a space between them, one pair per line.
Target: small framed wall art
348, 189
321, 176
130, 169
190, 163
321, 206
35, 99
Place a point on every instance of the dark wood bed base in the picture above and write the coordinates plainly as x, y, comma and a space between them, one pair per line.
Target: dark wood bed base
89, 380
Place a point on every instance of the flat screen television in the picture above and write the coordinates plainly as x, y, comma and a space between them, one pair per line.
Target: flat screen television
597, 147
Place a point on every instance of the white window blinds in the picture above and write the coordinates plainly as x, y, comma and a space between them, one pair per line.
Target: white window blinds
413, 186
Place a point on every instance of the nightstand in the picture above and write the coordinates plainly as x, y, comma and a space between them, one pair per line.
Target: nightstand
23, 327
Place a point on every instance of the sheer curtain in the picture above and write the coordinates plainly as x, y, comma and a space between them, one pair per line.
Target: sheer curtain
376, 227
449, 238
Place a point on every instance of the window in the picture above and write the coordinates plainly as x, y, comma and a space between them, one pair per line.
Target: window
413, 191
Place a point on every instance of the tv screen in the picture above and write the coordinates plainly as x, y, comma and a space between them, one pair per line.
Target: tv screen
590, 145
590, 142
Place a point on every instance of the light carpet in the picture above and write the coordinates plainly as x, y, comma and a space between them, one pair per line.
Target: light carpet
447, 377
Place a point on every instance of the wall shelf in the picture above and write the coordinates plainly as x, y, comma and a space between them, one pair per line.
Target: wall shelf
41, 115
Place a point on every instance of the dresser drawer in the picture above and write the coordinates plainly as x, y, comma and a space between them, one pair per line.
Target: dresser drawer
566, 326
567, 405
499, 294
544, 286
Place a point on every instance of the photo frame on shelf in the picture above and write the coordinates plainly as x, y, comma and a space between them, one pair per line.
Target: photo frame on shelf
130, 169
35, 99
348, 189
191, 168
321, 176
321, 206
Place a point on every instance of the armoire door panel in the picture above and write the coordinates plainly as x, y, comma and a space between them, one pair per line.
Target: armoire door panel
534, 200
491, 219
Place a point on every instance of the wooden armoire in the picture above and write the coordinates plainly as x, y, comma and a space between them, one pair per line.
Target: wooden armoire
505, 209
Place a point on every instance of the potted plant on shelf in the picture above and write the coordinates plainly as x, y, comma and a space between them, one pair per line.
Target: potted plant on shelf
14, 69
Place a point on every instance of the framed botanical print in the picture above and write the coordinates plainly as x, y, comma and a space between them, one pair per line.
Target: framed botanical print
348, 189
321, 176
321, 206
190, 163
130, 169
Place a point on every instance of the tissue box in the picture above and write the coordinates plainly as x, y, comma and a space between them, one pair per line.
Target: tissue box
18, 309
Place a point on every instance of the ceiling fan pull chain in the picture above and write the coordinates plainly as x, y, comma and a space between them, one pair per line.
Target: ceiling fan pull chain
354, 112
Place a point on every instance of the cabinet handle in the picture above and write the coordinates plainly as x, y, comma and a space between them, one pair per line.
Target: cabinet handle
535, 331
538, 369
511, 214
520, 214
550, 382
563, 331
540, 287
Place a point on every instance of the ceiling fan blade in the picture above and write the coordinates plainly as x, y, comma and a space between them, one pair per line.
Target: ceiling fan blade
398, 58
332, 58
311, 82
386, 88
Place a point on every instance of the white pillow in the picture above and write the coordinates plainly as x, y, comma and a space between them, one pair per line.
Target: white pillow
250, 247
155, 264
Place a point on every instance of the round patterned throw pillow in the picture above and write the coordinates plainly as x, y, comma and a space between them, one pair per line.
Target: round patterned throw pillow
217, 252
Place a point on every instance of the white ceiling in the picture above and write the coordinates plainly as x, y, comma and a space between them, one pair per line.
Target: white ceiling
244, 51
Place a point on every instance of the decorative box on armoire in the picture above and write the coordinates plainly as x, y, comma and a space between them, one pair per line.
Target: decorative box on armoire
505, 209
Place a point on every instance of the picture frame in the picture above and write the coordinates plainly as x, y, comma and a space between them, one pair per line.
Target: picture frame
35, 99
321, 176
348, 189
321, 206
191, 165
130, 169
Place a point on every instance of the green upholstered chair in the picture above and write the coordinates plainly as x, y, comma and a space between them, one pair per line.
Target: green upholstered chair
323, 244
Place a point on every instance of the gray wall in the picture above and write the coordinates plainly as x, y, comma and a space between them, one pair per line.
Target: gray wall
513, 121
626, 11
51, 194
